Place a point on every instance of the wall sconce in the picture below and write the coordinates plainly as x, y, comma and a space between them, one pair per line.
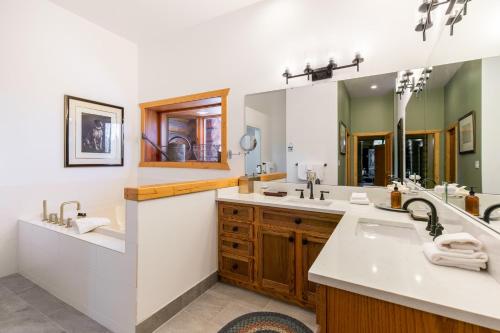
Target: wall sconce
409, 83
428, 6
323, 72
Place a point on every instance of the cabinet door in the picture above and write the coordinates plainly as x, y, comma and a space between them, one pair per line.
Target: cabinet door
311, 247
276, 267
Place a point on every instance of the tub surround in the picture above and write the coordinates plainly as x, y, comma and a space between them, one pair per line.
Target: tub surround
391, 269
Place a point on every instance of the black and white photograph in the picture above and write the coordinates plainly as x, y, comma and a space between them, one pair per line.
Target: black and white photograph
93, 133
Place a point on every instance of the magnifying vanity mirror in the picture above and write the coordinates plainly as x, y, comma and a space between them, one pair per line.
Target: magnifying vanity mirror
248, 143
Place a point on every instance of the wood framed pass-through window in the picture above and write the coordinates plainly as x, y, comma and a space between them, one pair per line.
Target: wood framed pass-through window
185, 132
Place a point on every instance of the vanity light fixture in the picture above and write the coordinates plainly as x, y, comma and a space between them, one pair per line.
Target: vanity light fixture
323, 72
428, 6
409, 83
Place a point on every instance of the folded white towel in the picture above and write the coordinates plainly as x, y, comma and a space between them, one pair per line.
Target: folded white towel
360, 201
472, 261
461, 242
87, 224
357, 195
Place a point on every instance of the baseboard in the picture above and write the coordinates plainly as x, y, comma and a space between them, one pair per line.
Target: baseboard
163, 315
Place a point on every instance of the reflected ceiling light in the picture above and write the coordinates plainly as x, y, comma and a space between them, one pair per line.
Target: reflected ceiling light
428, 6
323, 72
411, 84
373, 87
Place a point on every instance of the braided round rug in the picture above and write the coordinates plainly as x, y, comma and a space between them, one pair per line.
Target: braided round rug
265, 322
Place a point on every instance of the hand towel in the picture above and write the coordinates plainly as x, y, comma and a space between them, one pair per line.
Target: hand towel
472, 261
302, 171
87, 224
359, 198
461, 242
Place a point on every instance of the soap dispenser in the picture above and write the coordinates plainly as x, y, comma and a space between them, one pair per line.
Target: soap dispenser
472, 203
396, 197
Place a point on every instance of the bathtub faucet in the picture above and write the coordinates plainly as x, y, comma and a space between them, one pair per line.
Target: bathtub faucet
61, 211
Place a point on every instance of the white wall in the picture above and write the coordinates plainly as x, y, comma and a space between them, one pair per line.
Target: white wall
47, 52
177, 248
312, 129
490, 118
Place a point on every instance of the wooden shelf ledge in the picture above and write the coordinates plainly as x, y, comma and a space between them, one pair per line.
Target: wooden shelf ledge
267, 177
151, 192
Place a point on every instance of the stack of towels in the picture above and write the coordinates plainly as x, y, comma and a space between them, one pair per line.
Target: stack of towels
360, 199
460, 250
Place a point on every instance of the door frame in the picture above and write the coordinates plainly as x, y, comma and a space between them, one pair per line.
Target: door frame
447, 160
437, 150
388, 152
348, 157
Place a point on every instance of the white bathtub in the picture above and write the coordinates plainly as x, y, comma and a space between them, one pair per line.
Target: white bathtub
94, 272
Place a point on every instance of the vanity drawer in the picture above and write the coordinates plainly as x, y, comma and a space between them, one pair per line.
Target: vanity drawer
236, 246
236, 212
236, 267
315, 222
236, 229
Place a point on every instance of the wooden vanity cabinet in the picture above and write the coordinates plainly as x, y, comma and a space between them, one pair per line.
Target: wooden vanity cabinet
270, 250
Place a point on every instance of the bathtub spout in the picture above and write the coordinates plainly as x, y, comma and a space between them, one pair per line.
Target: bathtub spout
61, 211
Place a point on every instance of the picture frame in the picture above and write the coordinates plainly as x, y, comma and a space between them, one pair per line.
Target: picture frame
467, 133
342, 138
93, 133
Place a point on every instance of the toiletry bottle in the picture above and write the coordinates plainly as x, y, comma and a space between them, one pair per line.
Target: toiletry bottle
472, 203
396, 197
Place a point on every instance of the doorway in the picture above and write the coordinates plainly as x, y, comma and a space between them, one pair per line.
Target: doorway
423, 156
451, 154
253, 158
372, 158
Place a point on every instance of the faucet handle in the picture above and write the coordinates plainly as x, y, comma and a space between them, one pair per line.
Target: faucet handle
301, 192
323, 194
439, 230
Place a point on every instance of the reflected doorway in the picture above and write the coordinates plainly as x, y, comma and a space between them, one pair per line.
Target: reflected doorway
253, 159
372, 159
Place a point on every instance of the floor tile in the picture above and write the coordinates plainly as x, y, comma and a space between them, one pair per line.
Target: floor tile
185, 322
73, 321
232, 311
208, 305
42, 300
29, 320
16, 283
243, 296
10, 304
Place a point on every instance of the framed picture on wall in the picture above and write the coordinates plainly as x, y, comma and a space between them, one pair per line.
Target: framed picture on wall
93, 133
342, 138
467, 133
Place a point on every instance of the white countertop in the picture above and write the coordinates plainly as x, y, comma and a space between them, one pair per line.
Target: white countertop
392, 269
93, 237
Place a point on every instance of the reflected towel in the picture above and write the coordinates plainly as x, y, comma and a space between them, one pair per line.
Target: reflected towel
473, 261
359, 198
461, 242
87, 224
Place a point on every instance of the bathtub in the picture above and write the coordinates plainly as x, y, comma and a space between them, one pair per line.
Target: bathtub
93, 272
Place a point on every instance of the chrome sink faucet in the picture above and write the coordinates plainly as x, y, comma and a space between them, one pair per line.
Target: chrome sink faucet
61, 211
433, 226
311, 178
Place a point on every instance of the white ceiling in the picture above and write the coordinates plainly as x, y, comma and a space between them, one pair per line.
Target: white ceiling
141, 20
361, 87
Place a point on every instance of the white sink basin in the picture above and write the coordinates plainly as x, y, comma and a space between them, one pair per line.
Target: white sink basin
315, 202
381, 230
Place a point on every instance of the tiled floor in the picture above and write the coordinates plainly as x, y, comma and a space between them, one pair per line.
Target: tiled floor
27, 308
223, 303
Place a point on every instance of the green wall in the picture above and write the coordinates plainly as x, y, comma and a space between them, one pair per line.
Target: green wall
344, 105
462, 94
372, 114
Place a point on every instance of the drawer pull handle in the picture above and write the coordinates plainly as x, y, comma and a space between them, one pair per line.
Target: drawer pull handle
235, 212
234, 267
305, 242
235, 229
298, 221
235, 245
291, 239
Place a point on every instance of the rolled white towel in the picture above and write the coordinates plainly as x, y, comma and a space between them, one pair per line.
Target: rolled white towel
87, 224
461, 242
472, 261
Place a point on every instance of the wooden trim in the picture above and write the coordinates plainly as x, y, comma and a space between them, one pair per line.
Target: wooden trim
388, 152
447, 156
266, 177
151, 192
348, 158
147, 113
421, 132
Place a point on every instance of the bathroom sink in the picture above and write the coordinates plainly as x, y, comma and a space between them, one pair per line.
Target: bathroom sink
387, 230
316, 202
